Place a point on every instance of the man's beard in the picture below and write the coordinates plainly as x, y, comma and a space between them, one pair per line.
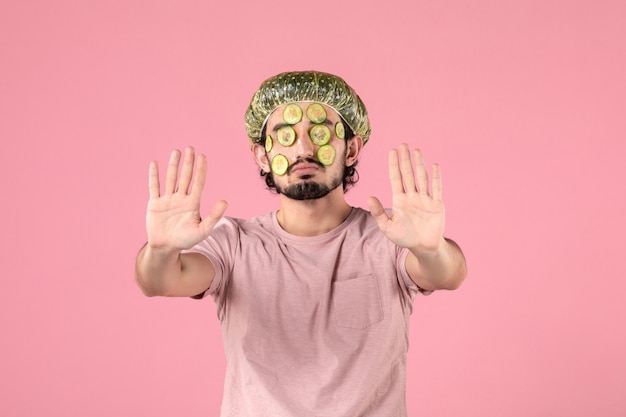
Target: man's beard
308, 189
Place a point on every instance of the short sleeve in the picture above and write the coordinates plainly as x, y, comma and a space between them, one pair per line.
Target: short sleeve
220, 249
412, 288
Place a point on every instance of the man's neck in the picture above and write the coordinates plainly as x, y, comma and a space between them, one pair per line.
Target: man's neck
313, 217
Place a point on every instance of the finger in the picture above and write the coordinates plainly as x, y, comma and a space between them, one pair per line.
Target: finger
153, 181
216, 213
437, 186
378, 212
199, 179
420, 171
186, 171
172, 172
395, 177
406, 168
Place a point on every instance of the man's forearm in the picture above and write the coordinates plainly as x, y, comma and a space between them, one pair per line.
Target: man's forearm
444, 268
156, 271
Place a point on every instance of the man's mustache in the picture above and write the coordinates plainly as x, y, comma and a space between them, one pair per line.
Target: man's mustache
305, 160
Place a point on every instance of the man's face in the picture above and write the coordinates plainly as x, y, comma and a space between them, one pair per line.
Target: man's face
305, 150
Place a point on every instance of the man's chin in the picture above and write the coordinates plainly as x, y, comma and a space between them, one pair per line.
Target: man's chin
305, 190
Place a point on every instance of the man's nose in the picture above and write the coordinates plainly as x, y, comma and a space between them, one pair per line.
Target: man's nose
305, 148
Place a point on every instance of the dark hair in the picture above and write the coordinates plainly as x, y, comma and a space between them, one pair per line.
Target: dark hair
350, 174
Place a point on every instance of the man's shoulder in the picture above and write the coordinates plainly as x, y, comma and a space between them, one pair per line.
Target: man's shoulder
360, 222
252, 224
363, 219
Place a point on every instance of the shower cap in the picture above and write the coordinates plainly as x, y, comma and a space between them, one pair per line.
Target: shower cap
321, 87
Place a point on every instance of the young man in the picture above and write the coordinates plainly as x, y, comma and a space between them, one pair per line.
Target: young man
313, 299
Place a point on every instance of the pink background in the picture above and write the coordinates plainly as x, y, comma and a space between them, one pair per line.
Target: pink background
522, 103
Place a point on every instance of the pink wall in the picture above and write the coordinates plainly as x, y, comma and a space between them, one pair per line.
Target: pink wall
522, 102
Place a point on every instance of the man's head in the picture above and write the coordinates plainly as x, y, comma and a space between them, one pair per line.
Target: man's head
310, 119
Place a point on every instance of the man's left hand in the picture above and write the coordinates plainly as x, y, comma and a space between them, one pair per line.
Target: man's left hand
418, 217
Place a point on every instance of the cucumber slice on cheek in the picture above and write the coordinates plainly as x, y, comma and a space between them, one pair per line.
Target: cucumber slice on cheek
326, 154
280, 163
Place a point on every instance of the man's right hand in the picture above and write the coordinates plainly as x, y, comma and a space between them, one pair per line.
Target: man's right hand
173, 223
173, 220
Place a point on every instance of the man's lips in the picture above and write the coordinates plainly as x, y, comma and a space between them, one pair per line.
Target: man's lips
305, 168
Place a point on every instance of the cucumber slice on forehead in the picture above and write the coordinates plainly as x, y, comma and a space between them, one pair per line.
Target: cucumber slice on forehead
326, 154
269, 143
340, 130
280, 163
286, 135
292, 114
320, 134
316, 113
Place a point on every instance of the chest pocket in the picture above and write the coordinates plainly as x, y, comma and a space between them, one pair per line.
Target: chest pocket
356, 303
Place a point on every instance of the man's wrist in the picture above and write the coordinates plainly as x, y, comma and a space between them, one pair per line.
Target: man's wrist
430, 253
161, 254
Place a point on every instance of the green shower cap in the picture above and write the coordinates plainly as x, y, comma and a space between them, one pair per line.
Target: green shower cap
316, 86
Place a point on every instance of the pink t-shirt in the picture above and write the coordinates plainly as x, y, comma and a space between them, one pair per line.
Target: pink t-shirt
312, 326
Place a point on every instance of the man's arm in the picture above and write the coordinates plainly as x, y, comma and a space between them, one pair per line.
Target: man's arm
417, 222
442, 269
172, 274
173, 224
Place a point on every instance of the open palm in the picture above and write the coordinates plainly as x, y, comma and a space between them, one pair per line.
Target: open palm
417, 218
173, 218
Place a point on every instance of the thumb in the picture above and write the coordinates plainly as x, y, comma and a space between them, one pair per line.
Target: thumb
216, 213
378, 211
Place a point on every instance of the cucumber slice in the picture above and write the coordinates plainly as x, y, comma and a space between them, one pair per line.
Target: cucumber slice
292, 114
286, 135
326, 154
280, 163
269, 143
340, 130
316, 113
320, 134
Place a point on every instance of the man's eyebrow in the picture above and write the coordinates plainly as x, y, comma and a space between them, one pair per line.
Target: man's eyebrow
279, 125
325, 122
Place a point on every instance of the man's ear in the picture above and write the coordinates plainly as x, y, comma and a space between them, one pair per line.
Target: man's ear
260, 156
354, 149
